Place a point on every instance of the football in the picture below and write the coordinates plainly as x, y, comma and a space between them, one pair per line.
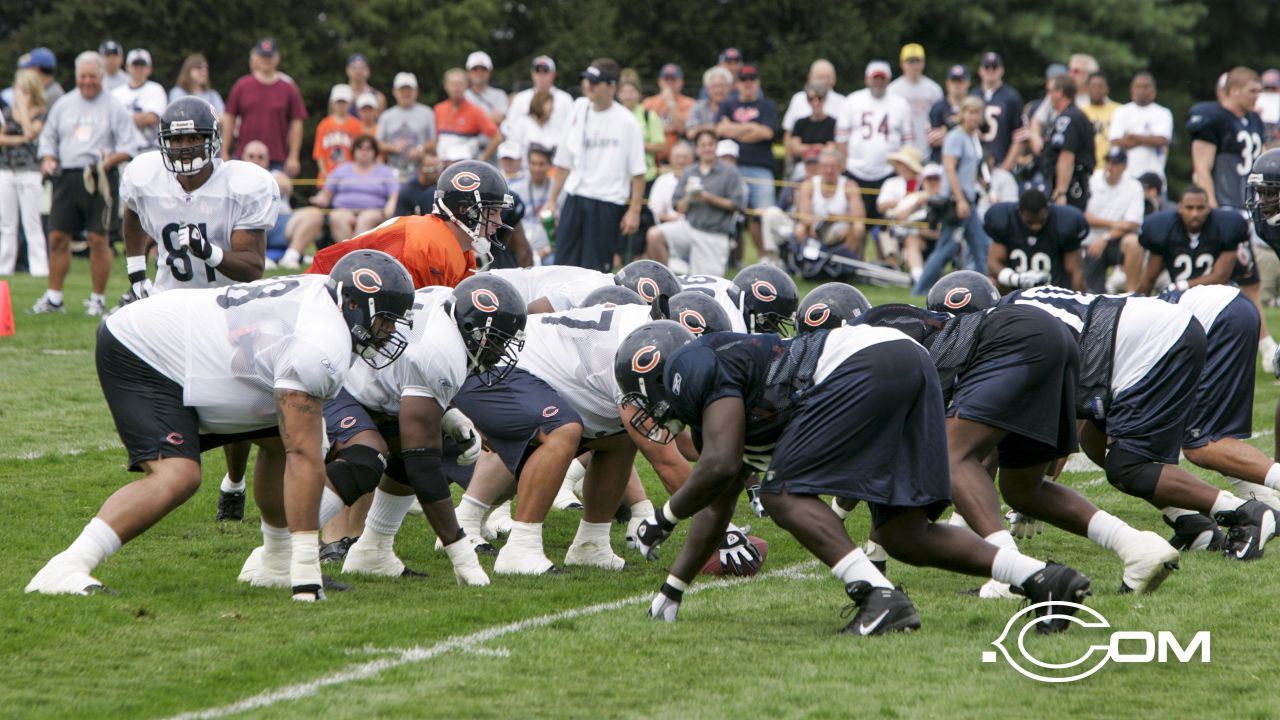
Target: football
712, 566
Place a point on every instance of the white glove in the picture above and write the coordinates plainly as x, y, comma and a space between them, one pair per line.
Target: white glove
666, 604
139, 284
1175, 286
463, 432
190, 237
1023, 526
1024, 280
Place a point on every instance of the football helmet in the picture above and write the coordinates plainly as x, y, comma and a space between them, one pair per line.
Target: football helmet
963, 291
698, 312
1262, 193
830, 305
768, 298
375, 293
612, 295
638, 366
465, 193
491, 316
189, 116
649, 279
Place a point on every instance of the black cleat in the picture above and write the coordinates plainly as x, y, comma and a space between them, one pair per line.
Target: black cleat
230, 506
622, 515
411, 573
333, 585
1054, 583
485, 548
336, 551
1251, 526
1196, 532
879, 610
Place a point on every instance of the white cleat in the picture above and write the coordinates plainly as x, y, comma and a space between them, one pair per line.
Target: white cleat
996, 590
497, 523
373, 557
466, 565
633, 527
63, 576
1148, 560
263, 570
565, 499
1244, 489
522, 561
593, 555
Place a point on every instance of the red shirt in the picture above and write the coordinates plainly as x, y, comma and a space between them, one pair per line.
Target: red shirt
466, 120
265, 112
423, 243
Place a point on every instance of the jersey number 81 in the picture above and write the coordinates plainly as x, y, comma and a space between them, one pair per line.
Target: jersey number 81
177, 259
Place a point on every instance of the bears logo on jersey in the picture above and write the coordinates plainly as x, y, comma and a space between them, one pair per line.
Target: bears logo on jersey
817, 314
957, 298
367, 280
466, 181
484, 299
646, 359
764, 290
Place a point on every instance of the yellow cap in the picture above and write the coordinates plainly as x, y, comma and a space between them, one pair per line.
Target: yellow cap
911, 51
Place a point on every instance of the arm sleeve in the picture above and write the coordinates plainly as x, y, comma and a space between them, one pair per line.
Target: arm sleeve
953, 145
1117, 129
486, 125
1135, 205
153, 100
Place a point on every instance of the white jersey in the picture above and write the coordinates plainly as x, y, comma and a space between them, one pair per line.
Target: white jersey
237, 196
1206, 302
725, 293
231, 348
564, 286
573, 351
873, 127
433, 365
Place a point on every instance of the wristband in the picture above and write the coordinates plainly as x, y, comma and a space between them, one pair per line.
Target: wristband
215, 256
135, 264
676, 583
666, 517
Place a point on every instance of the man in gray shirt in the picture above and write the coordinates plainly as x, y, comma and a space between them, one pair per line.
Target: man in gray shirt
86, 135
709, 195
406, 129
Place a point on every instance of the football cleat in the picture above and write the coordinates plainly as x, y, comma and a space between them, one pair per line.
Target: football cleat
565, 499
594, 555
1054, 582
230, 506
370, 557
1196, 532
44, 307
263, 570
63, 576
878, 610
1148, 560
337, 550
497, 523
466, 566
514, 560
95, 307
1251, 525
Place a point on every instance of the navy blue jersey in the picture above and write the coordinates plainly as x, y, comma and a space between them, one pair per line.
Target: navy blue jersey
1071, 132
767, 372
1043, 252
943, 114
1185, 257
1239, 143
1002, 116
1068, 306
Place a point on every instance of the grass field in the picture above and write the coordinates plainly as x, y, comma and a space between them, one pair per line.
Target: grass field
182, 637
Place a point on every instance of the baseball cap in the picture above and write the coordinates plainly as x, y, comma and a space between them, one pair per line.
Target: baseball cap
1271, 79
138, 56
110, 47
1117, 155
749, 72
991, 59
731, 55
932, 170
357, 58
1055, 70
671, 70
595, 75
405, 79
41, 57
266, 47
911, 51
509, 150
341, 92
878, 67
367, 100
479, 59
727, 147
544, 63
958, 72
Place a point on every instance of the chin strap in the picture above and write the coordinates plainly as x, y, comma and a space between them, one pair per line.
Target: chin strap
479, 244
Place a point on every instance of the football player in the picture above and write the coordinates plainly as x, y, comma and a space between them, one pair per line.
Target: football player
250, 361
1195, 243
1263, 202
1034, 242
555, 288
829, 306
760, 299
854, 412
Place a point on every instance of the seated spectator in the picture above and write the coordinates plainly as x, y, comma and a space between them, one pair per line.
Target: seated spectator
655, 141
534, 187
807, 168
295, 230
367, 112
335, 133
716, 82
708, 195
918, 242
828, 207
509, 160
536, 125
671, 105
417, 196
461, 124
407, 128
1114, 214
898, 199
662, 194
816, 130
362, 192
1153, 193
193, 79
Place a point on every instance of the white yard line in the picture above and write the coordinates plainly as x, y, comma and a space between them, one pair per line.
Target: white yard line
466, 643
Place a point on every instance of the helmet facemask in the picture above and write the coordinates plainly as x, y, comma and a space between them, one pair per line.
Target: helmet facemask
476, 222
188, 159
491, 351
381, 341
1262, 198
652, 418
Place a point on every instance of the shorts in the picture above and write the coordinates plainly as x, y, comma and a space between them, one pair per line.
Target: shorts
1150, 418
588, 233
1224, 394
345, 417
511, 413
869, 198
73, 209
761, 193
1023, 380
873, 430
708, 252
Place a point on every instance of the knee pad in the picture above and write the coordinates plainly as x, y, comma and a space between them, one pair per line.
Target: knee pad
355, 471
425, 473
1132, 474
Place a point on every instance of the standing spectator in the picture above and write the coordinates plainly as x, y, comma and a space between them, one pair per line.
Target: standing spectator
946, 112
671, 105
461, 124
479, 92
534, 187
1003, 113
1114, 214
362, 193
43, 61
655, 141
961, 160
1080, 67
113, 55
662, 195
730, 60
269, 108
601, 167
367, 112
1100, 110
751, 121
919, 91
407, 128
335, 133
1068, 158
143, 97
358, 73
815, 131
822, 74
1038, 115
872, 124
21, 190
708, 196
716, 83
1142, 128
418, 195
86, 135
193, 79
555, 116
537, 126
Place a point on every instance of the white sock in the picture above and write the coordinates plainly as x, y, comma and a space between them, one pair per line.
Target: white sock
387, 512
53, 296
1267, 345
290, 254
576, 472
596, 533
1273, 477
527, 536
231, 487
1012, 567
1002, 539
96, 543
471, 509
330, 506
1225, 503
857, 566
1173, 513
958, 520
305, 566
274, 539
1108, 530
642, 509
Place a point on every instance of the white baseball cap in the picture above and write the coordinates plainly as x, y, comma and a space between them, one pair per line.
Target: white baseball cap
878, 67
367, 100
727, 147
479, 59
138, 56
341, 92
405, 79
509, 150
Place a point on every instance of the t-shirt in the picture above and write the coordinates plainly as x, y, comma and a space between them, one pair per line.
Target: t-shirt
1072, 132
703, 112
1238, 141
920, 96
873, 127
603, 149
1101, 117
461, 126
491, 100
78, 131
265, 111
651, 127
968, 149
424, 244
944, 114
1002, 116
1150, 119
1187, 257
815, 132
524, 132
799, 107
237, 196
414, 126
211, 96
561, 104
1122, 201
762, 110
659, 106
355, 190
1043, 252
231, 348
333, 143
146, 98
722, 180
415, 198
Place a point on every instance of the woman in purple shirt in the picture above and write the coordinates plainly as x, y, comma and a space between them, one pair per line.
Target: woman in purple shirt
362, 192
